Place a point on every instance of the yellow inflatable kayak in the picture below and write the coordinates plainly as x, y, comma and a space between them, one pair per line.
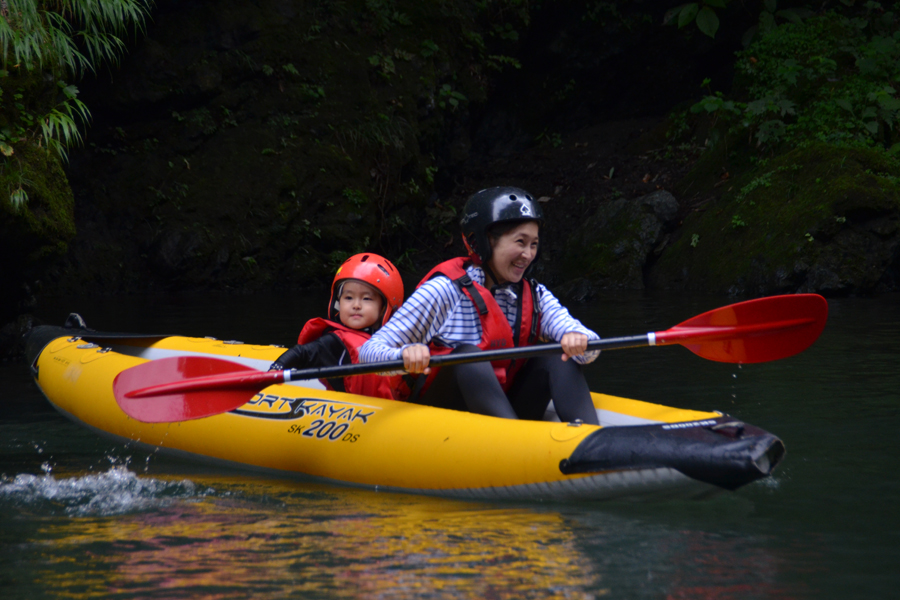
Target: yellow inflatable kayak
300, 429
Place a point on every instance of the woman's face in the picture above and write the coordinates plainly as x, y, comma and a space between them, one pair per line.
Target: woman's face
359, 305
513, 252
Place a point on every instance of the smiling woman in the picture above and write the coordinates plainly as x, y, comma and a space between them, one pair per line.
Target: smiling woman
488, 301
514, 247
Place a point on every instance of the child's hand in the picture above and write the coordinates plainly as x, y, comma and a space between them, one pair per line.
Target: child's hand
573, 344
416, 358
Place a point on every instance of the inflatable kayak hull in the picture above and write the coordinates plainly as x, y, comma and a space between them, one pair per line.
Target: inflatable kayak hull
302, 430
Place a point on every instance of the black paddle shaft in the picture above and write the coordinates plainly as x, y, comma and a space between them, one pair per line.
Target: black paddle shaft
445, 360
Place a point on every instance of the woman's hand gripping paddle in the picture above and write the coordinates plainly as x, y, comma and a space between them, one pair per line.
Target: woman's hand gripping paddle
191, 387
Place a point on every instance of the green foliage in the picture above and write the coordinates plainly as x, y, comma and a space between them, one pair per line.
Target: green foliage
356, 197
504, 19
830, 78
384, 64
336, 258
715, 103
771, 16
505, 31
50, 41
498, 61
381, 132
429, 49
450, 97
384, 15
42, 34
553, 139
703, 14
604, 12
763, 181
18, 198
496, 10
16, 184
312, 91
441, 220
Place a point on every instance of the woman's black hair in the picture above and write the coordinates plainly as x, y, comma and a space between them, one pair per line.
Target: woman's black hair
498, 230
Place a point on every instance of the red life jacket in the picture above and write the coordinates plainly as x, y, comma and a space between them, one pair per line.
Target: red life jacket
495, 330
379, 386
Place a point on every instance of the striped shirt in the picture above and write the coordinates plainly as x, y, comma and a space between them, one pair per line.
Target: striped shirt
440, 311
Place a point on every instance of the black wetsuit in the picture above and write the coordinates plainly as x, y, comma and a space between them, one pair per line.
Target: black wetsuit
541, 379
327, 351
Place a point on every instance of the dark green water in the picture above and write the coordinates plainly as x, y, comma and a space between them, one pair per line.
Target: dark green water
81, 517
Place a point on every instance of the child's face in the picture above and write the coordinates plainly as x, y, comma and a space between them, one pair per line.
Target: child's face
359, 305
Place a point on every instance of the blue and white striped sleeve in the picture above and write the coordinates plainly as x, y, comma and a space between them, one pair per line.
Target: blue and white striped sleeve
556, 322
417, 321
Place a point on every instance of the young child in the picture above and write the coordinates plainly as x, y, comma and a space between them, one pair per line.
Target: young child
488, 300
366, 291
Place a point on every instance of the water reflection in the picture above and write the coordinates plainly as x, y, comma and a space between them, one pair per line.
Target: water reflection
314, 542
239, 537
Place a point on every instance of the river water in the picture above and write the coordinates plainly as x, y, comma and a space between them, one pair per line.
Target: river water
83, 517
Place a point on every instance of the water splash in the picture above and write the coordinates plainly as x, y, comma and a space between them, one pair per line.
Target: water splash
773, 482
114, 492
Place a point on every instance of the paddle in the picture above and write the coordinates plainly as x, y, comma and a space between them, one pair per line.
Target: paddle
754, 331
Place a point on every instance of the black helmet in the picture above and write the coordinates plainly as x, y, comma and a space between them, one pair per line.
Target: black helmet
488, 207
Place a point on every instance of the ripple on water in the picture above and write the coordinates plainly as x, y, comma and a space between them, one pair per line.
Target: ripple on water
114, 492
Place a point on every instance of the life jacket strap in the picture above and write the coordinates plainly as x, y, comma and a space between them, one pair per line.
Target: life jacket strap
466, 282
416, 383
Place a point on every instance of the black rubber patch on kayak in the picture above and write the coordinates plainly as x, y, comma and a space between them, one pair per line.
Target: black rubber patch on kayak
722, 451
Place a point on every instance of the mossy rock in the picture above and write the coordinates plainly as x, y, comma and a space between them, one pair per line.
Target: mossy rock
615, 244
39, 231
820, 217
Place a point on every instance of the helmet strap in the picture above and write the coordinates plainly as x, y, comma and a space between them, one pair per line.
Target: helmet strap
336, 295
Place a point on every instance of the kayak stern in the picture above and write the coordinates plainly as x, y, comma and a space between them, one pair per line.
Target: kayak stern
723, 451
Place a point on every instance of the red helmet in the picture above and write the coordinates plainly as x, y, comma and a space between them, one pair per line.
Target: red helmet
376, 271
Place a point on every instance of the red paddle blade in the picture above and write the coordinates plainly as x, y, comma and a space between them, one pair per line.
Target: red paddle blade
753, 331
196, 387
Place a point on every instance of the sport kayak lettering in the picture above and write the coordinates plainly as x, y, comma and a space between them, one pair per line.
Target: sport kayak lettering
270, 406
322, 429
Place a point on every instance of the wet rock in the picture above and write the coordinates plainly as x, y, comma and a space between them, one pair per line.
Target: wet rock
576, 290
175, 251
613, 247
12, 337
821, 218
